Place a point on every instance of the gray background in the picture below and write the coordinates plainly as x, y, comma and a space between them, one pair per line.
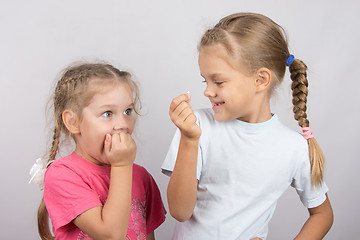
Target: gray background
156, 41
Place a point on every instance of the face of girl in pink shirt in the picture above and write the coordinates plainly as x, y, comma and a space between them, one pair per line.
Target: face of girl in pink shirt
110, 111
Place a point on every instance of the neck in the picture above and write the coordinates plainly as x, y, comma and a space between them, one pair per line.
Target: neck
261, 111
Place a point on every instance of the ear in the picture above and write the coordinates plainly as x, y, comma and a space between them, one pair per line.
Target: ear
71, 121
263, 79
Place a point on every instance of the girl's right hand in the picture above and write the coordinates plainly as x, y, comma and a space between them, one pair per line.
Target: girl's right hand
120, 149
182, 115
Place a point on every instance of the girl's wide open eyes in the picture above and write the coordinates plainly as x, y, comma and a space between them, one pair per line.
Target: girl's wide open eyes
128, 111
107, 114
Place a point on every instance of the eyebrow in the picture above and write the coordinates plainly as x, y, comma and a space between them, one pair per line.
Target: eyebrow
113, 105
212, 76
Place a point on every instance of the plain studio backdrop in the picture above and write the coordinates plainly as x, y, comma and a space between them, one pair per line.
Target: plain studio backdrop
157, 42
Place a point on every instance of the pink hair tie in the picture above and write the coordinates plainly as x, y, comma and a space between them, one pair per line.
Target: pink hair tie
307, 133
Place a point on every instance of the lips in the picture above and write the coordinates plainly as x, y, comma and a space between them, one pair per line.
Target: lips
217, 105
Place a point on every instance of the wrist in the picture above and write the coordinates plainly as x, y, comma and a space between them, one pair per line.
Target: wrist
124, 166
190, 139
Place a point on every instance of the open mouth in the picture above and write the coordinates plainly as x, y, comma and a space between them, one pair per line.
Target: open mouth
217, 105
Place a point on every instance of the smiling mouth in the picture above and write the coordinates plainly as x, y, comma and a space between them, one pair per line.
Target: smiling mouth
217, 105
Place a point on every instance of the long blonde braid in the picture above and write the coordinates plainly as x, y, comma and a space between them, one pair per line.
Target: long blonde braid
299, 87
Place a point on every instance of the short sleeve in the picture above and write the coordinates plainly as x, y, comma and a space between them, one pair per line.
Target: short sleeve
66, 195
170, 159
155, 210
311, 196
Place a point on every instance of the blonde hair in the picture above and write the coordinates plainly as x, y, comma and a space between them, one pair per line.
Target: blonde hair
254, 41
73, 91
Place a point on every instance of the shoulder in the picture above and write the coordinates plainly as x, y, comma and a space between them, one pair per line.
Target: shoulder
73, 165
289, 137
61, 165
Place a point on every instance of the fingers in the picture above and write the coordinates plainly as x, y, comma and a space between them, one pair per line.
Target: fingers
178, 100
182, 115
107, 143
121, 141
180, 109
120, 149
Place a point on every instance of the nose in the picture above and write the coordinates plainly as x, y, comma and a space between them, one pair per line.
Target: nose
121, 124
209, 92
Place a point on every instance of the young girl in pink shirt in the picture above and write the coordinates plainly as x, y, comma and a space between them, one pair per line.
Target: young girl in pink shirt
97, 192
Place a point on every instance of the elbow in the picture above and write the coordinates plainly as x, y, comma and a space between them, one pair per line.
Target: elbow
330, 213
180, 215
331, 218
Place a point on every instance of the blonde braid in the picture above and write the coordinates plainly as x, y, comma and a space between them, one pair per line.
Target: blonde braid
299, 87
43, 222
300, 91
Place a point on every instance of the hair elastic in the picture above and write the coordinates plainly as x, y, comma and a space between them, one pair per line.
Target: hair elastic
290, 60
307, 133
38, 170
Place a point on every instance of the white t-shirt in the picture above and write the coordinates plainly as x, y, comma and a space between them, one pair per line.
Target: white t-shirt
243, 169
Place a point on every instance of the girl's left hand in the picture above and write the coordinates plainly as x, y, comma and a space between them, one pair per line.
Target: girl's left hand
120, 149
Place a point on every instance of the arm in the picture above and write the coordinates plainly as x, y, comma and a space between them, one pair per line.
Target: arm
111, 220
319, 223
182, 188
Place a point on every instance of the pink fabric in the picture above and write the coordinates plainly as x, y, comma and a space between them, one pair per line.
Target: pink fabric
307, 133
74, 185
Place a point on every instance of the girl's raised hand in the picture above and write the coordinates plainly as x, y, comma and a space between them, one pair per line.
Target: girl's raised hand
182, 115
120, 149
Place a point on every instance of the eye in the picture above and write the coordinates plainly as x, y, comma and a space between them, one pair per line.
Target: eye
107, 114
218, 83
128, 111
204, 81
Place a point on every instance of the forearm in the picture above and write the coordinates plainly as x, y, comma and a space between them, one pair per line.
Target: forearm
314, 228
318, 224
182, 188
111, 220
116, 210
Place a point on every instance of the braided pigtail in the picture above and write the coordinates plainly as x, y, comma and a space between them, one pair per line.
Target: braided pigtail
299, 87
43, 215
43, 222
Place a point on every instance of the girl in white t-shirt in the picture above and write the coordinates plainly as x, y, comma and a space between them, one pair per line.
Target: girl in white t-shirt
230, 165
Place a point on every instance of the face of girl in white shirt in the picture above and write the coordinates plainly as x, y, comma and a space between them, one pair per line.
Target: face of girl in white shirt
109, 112
231, 93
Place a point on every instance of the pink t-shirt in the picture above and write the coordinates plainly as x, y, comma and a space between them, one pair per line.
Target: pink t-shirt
74, 185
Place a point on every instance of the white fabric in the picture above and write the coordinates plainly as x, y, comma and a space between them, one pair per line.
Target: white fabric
243, 169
